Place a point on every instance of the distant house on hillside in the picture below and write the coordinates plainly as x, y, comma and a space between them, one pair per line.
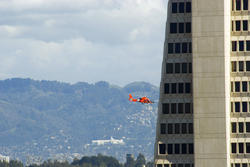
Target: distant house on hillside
112, 141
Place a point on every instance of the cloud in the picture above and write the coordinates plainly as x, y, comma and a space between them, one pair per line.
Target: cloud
82, 40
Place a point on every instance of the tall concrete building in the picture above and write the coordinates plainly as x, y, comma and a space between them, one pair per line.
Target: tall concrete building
204, 105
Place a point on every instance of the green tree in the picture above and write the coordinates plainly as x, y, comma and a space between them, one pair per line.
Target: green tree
140, 161
50, 163
16, 163
150, 164
4, 164
130, 162
97, 161
12, 163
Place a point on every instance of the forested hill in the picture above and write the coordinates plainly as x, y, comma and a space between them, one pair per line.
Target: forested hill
86, 161
49, 119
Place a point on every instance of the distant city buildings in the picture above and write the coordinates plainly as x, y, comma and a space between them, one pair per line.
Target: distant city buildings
4, 158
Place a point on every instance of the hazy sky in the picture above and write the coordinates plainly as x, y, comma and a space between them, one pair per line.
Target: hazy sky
119, 41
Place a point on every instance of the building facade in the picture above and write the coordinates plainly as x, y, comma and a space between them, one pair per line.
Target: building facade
204, 109
4, 158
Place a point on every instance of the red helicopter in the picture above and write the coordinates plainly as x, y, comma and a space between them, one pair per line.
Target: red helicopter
143, 100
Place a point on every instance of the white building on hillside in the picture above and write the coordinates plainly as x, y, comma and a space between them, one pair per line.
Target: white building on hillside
4, 158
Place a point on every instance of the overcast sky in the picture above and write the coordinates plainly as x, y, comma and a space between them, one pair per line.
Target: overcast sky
119, 41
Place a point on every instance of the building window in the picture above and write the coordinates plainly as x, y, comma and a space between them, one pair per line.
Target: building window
173, 88
247, 147
173, 108
162, 148
190, 47
245, 25
163, 128
187, 108
237, 24
169, 68
241, 148
177, 128
191, 148
237, 165
245, 4
181, 7
170, 128
237, 87
184, 67
177, 48
234, 46
247, 65
244, 86
177, 68
190, 68
187, 88
237, 106
238, 4
241, 127
234, 66
232, 5
233, 148
188, 7
173, 28
177, 148
165, 108
183, 128
190, 128
184, 148
166, 88
234, 127
244, 165
180, 108
244, 106
241, 45
248, 45
174, 7
241, 66
166, 165
181, 27
170, 148
248, 127
249, 104
184, 47
188, 27
180, 88
170, 48
159, 165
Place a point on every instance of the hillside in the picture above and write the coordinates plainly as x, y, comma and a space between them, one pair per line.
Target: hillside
49, 119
